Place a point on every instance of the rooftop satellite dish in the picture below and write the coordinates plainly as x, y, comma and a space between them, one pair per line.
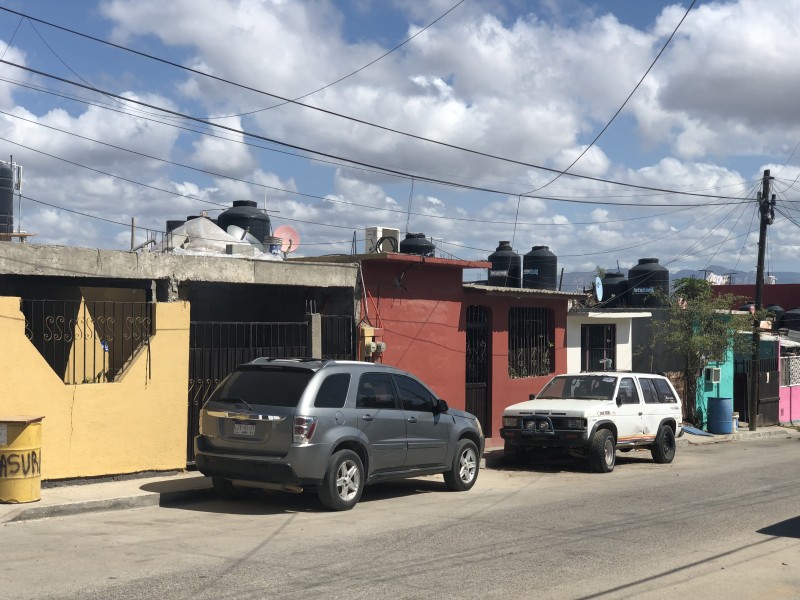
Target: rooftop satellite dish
289, 236
241, 234
598, 289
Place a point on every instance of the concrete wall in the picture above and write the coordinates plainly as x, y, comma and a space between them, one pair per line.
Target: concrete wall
624, 347
422, 311
138, 423
789, 405
72, 262
706, 390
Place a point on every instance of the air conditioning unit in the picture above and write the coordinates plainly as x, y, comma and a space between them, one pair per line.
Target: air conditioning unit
712, 374
381, 239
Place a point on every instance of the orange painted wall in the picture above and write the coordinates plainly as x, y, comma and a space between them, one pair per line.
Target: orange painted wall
422, 310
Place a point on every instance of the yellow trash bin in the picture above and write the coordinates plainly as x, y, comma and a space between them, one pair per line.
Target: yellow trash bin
20, 459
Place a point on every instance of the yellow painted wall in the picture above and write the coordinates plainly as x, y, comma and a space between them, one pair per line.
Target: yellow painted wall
134, 424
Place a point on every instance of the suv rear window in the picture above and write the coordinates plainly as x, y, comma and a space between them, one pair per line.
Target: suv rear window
333, 391
270, 387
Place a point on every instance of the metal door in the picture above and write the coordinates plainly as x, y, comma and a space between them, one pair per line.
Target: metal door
478, 391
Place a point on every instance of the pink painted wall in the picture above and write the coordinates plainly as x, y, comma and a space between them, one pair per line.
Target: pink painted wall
789, 405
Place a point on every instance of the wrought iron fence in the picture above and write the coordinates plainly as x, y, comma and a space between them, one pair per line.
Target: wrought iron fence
598, 359
338, 337
790, 370
530, 342
88, 342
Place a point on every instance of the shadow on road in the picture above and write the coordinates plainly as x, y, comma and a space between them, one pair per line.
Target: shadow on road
268, 502
788, 528
557, 461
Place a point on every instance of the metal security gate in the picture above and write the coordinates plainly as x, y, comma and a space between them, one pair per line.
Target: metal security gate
768, 391
478, 400
598, 347
216, 348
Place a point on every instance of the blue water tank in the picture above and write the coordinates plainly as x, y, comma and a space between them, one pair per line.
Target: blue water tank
720, 415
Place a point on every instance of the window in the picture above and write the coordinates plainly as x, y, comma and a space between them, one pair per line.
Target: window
375, 391
628, 394
649, 391
665, 393
333, 391
530, 342
413, 394
265, 386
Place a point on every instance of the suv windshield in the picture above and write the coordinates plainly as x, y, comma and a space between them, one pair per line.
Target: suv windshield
272, 387
580, 387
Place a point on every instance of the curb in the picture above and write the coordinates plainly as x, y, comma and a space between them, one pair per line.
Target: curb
165, 498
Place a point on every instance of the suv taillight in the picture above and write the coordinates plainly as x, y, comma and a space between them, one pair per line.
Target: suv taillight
304, 429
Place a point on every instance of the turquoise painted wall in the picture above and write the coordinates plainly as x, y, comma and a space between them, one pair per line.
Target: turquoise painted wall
706, 390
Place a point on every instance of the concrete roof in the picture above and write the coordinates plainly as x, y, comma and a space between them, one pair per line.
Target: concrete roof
399, 258
68, 261
493, 290
610, 314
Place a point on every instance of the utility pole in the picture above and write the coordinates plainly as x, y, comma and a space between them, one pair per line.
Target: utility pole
766, 208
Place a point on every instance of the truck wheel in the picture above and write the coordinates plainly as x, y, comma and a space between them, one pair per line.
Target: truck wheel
344, 481
602, 452
464, 471
663, 450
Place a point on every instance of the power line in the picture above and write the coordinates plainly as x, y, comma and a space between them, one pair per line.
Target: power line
311, 107
394, 171
369, 64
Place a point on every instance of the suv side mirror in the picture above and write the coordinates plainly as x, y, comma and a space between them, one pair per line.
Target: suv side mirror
619, 400
440, 406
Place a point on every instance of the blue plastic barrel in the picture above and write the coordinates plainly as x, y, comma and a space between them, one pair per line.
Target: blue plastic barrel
720, 415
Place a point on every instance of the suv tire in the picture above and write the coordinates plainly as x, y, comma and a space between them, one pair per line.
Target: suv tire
344, 481
602, 452
464, 471
663, 450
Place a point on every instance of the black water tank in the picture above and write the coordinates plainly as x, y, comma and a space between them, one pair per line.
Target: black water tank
791, 320
540, 269
172, 225
246, 215
648, 284
614, 287
6, 199
417, 243
779, 315
505, 266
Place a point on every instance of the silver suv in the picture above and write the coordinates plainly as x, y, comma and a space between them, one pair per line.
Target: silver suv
334, 425
593, 414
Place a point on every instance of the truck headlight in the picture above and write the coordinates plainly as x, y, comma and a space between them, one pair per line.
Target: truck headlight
574, 423
511, 422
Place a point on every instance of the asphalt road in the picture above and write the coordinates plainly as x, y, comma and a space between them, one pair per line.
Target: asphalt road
723, 521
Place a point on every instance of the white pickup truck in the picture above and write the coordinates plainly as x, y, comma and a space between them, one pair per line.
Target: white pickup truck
593, 414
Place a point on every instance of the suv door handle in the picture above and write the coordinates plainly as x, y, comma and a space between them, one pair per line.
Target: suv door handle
367, 418
412, 419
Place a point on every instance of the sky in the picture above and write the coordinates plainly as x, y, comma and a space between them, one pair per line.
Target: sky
471, 122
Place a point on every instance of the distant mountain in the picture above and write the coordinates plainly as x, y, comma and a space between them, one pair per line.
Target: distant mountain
580, 280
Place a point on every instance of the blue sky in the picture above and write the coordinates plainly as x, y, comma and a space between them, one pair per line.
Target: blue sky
491, 91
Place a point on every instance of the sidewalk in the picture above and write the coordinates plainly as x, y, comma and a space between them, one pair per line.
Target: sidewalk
164, 489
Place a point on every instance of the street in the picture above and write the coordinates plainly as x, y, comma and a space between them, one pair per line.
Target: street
722, 521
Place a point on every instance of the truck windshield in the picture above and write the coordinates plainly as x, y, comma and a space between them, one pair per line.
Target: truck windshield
579, 387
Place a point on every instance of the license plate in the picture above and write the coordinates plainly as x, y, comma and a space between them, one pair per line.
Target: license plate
244, 429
